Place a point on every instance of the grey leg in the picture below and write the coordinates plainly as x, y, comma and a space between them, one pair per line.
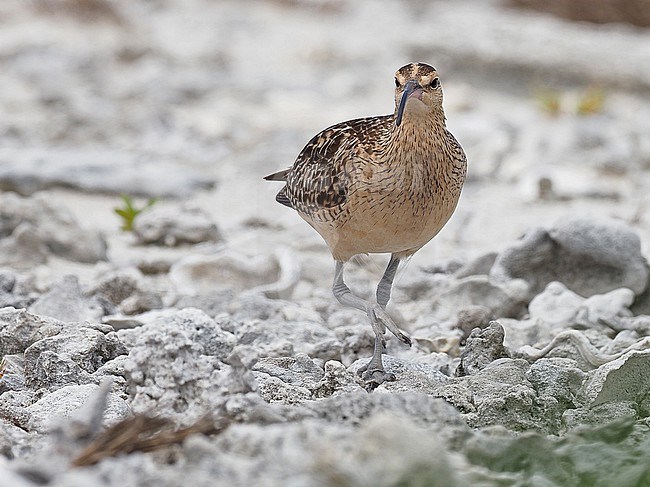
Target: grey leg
373, 372
386, 283
342, 292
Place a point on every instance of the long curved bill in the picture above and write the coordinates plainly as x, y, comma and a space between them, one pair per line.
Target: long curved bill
408, 89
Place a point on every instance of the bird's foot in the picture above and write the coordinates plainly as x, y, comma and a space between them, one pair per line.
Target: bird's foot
374, 376
381, 320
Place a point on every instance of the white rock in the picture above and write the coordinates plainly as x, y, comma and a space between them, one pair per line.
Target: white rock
51, 410
589, 256
200, 274
49, 226
556, 305
99, 171
624, 379
173, 226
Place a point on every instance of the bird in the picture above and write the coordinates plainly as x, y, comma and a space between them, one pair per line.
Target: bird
382, 184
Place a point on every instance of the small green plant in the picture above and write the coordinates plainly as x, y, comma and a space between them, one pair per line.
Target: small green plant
591, 101
128, 211
549, 101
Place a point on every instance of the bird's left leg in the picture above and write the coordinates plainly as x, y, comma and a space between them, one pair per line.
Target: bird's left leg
385, 285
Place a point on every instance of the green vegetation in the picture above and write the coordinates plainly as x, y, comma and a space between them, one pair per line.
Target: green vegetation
590, 101
615, 454
128, 211
549, 100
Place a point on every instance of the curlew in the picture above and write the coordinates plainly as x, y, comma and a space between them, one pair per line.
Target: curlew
385, 184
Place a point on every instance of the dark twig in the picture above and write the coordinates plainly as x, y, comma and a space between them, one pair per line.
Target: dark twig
143, 433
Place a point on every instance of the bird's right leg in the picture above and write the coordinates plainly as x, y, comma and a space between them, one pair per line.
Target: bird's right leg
373, 372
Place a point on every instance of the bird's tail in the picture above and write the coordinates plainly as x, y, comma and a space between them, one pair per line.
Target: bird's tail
278, 176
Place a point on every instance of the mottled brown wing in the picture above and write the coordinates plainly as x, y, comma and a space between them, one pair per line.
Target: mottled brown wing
319, 179
458, 154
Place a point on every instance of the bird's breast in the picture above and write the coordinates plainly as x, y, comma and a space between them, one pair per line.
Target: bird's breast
399, 205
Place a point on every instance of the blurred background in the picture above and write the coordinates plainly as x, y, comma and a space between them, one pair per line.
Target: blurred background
194, 101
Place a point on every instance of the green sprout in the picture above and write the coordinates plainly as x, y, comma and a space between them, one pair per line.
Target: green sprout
128, 212
549, 100
591, 101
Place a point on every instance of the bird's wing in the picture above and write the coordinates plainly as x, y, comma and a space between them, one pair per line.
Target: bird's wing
458, 155
319, 179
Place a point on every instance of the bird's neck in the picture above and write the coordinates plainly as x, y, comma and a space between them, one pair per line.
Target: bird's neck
421, 130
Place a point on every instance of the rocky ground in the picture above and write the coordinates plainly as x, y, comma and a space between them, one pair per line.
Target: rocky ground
204, 347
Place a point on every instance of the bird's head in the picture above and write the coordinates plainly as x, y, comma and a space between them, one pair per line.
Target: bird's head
417, 91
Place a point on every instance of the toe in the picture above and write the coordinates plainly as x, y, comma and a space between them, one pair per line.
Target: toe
374, 378
387, 321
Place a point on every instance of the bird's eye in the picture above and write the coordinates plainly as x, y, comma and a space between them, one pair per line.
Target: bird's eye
435, 82
397, 85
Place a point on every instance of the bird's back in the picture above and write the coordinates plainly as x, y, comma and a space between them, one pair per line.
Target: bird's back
319, 183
